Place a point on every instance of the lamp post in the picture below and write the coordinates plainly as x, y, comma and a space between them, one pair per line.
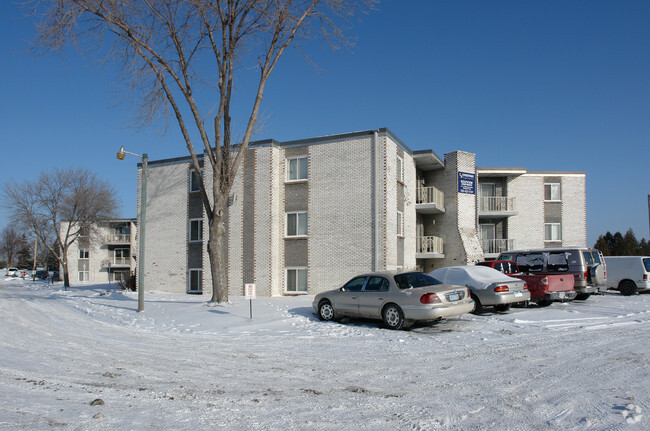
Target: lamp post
141, 222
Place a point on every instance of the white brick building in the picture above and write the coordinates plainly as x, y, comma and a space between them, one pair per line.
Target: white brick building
307, 215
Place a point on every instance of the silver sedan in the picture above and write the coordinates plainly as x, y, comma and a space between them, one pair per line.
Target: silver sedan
487, 285
399, 299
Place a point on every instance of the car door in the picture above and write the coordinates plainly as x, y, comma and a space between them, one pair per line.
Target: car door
346, 301
373, 297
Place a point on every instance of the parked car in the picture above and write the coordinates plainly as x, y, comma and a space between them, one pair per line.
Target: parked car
544, 288
11, 272
488, 286
628, 274
41, 274
586, 265
399, 299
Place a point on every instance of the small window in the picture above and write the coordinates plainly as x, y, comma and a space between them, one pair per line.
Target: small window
296, 280
83, 276
194, 181
400, 169
552, 232
297, 168
355, 284
196, 280
83, 254
400, 223
297, 224
196, 229
376, 284
552, 192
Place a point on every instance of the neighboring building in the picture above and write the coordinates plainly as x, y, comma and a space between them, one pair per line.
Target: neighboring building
105, 253
307, 215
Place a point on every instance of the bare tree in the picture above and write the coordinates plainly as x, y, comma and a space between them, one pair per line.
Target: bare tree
59, 207
173, 50
10, 243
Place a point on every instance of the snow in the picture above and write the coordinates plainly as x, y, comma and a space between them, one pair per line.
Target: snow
476, 277
182, 364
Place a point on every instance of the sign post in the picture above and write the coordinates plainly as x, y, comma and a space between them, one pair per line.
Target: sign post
249, 292
107, 262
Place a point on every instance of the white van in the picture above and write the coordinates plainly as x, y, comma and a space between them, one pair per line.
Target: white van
628, 274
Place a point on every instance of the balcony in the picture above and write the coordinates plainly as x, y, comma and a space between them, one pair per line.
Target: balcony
429, 247
118, 238
117, 262
492, 247
430, 200
496, 206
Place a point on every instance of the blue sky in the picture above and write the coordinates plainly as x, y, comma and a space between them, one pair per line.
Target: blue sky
544, 85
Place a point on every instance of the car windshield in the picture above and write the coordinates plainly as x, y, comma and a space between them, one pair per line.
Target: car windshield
414, 279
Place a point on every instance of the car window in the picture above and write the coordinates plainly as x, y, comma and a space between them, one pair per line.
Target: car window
415, 279
355, 284
646, 263
596, 255
557, 262
531, 262
507, 257
573, 256
589, 260
376, 284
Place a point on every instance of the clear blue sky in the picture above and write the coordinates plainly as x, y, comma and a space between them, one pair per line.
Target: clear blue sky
545, 85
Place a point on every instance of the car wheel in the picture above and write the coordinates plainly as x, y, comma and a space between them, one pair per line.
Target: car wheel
502, 307
627, 288
582, 296
478, 308
544, 302
393, 317
325, 311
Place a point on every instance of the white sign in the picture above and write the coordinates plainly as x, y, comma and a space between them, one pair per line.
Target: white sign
249, 291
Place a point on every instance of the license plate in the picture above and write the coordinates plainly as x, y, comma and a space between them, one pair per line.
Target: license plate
518, 293
453, 297
562, 294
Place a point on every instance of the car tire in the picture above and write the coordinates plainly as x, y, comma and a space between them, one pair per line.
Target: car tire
627, 288
393, 317
502, 307
582, 296
326, 311
478, 308
544, 302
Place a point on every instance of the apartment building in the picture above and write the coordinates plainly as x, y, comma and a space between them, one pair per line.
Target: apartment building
305, 216
104, 253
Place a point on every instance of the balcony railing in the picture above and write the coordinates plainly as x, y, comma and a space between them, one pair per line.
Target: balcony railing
430, 195
496, 204
119, 238
496, 246
117, 261
430, 244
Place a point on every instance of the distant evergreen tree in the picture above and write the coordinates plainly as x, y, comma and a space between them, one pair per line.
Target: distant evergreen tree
622, 245
602, 245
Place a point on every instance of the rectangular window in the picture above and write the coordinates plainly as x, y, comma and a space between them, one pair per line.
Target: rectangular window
196, 280
194, 181
83, 253
400, 223
552, 232
297, 279
552, 192
297, 168
297, 224
83, 276
400, 169
196, 229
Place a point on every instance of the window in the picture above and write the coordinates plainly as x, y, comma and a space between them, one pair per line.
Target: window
355, 285
83, 270
400, 223
552, 192
83, 253
297, 279
297, 224
196, 229
297, 168
196, 280
376, 284
194, 181
552, 232
399, 172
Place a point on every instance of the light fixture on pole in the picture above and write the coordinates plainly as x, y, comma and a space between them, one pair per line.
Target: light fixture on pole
141, 222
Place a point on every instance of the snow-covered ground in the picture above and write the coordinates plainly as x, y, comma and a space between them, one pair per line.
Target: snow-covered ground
182, 364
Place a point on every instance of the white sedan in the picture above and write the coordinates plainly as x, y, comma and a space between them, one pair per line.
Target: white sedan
488, 286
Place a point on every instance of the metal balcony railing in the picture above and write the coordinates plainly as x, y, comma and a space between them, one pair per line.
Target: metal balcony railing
430, 244
430, 195
120, 238
496, 246
496, 204
117, 261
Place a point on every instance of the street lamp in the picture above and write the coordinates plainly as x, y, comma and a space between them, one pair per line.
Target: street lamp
141, 222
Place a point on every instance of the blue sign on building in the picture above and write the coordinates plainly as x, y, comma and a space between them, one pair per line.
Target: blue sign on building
466, 183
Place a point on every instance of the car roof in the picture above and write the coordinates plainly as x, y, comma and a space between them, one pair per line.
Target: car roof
552, 249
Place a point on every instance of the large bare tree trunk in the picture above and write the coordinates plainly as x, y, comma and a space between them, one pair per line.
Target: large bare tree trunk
217, 243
